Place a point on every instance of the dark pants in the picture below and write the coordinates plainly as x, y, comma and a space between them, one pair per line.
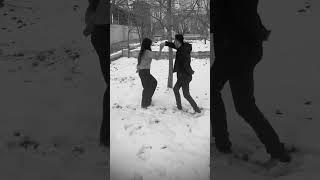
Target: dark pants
183, 80
100, 39
149, 84
241, 81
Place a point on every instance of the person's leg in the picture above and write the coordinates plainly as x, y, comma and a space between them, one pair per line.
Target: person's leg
219, 74
186, 92
176, 89
242, 87
143, 74
105, 127
100, 40
149, 87
153, 87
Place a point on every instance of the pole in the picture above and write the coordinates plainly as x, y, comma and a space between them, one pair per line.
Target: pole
170, 76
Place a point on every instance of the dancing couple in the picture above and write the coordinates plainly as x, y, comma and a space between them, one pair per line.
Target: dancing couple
181, 66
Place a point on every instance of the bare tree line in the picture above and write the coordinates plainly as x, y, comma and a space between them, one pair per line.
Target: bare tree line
168, 16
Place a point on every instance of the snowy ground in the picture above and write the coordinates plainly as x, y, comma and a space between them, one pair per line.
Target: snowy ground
287, 91
160, 142
51, 94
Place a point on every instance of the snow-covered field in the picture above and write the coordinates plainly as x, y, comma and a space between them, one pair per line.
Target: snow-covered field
51, 93
159, 142
287, 91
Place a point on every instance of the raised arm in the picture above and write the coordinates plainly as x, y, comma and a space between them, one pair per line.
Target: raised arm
153, 55
170, 44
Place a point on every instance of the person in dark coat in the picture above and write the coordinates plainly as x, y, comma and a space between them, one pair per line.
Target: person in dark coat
238, 37
97, 25
184, 71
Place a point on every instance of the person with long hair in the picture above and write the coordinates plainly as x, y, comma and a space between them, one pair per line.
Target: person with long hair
149, 83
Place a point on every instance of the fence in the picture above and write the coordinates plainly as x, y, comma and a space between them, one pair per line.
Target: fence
163, 55
119, 33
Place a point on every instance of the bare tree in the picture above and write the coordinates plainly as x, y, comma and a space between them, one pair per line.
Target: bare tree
165, 14
203, 17
170, 75
136, 14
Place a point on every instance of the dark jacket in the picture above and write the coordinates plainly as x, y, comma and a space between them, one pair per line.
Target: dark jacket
183, 58
237, 20
237, 29
92, 7
93, 4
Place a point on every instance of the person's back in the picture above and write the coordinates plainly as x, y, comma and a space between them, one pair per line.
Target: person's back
183, 59
236, 19
146, 60
237, 31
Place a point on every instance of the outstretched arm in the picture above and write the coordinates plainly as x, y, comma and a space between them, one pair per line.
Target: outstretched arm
170, 44
153, 55
160, 50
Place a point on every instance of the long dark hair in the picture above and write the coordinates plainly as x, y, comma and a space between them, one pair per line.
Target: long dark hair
146, 45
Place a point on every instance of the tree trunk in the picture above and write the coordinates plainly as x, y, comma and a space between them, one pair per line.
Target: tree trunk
205, 38
128, 45
128, 30
212, 53
138, 30
170, 75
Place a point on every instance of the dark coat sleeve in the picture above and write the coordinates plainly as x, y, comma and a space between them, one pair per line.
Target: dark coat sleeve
170, 44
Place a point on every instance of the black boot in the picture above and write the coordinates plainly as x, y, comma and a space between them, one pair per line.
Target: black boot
284, 156
197, 110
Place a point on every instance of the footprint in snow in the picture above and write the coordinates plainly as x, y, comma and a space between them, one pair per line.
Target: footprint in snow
22, 141
308, 103
78, 150
117, 106
136, 129
159, 170
144, 152
278, 112
137, 176
154, 121
127, 126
